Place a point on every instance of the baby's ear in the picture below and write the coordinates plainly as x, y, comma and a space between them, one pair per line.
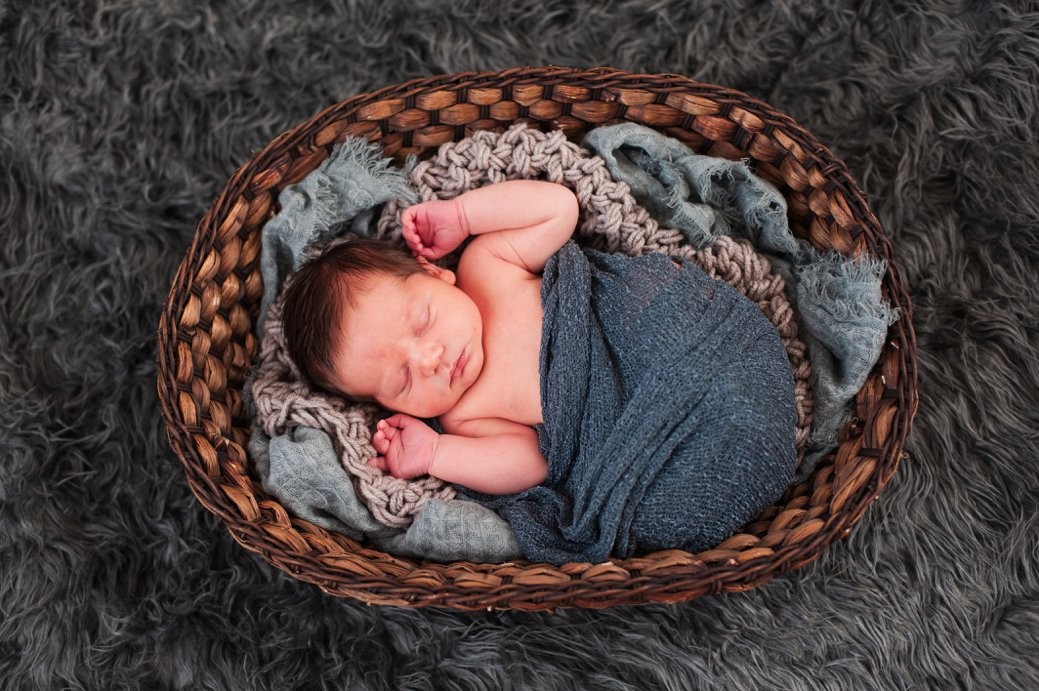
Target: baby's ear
437, 272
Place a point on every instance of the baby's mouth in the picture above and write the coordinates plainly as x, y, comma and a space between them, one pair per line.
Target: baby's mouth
459, 367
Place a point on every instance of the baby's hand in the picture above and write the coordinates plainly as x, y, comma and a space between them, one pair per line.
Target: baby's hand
405, 446
433, 229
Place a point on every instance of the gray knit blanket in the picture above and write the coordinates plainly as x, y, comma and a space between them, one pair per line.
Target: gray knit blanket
668, 406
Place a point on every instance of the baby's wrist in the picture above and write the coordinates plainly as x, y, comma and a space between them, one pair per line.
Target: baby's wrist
463, 218
431, 467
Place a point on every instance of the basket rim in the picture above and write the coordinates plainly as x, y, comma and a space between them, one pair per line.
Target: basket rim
211, 456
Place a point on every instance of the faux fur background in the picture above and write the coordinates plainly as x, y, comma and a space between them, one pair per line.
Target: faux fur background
120, 120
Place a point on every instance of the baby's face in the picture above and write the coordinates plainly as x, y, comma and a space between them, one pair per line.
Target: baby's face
414, 345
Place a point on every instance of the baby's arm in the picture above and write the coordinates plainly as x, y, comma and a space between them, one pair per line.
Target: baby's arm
501, 458
493, 456
523, 222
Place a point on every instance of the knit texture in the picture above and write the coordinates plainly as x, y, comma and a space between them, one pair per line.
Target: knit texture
838, 299
668, 411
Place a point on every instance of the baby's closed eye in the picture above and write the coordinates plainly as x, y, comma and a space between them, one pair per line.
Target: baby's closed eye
425, 321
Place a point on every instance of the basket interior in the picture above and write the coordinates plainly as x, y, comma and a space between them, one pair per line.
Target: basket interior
206, 343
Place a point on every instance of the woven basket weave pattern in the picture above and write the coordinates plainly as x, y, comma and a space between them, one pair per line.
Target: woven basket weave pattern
206, 344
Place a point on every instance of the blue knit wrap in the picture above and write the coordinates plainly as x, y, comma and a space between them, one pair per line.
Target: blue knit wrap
668, 406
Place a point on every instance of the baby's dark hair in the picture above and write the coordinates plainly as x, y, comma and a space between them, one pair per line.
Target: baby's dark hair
319, 292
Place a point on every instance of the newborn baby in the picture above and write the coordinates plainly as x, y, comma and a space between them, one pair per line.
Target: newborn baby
427, 342
654, 411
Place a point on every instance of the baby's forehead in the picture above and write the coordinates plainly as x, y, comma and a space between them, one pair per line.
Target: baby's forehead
372, 295
367, 322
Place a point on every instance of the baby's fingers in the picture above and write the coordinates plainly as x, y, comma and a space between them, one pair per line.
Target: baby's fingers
407, 220
378, 462
385, 431
410, 227
380, 442
412, 239
394, 422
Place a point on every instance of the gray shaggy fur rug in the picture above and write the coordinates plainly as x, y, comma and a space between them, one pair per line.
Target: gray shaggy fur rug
121, 120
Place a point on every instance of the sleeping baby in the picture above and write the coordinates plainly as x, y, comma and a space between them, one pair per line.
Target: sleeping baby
604, 404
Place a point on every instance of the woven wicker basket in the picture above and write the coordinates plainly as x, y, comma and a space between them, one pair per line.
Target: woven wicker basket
207, 346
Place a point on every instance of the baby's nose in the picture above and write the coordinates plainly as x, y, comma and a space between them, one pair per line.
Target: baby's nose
427, 357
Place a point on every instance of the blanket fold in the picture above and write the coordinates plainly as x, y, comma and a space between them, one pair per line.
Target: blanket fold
668, 411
